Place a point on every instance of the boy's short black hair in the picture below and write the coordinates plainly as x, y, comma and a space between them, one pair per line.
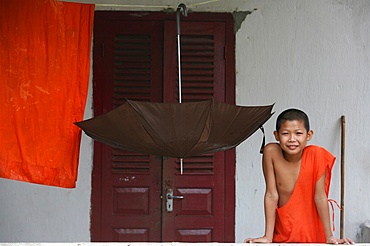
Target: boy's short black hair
292, 114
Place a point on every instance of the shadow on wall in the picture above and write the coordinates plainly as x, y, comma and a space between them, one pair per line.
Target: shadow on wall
365, 232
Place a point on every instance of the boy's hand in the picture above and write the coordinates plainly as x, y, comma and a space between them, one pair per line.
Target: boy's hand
333, 240
263, 239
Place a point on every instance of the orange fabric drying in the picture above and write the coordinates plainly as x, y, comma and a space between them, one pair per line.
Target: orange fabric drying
44, 73
298, 220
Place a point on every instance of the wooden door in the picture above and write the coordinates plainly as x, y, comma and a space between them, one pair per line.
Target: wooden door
126, 186
137, 59
199, 215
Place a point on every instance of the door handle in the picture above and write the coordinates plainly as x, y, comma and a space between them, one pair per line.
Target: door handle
169, 200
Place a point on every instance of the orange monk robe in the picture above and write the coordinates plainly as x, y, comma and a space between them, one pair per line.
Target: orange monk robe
44, 75
298, 220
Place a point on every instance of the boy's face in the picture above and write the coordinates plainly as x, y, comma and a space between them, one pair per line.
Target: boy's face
293, 136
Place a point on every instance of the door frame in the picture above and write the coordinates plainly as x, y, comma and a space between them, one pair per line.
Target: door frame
230, 156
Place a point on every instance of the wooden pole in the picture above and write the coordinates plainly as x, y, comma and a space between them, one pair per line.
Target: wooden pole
342, 181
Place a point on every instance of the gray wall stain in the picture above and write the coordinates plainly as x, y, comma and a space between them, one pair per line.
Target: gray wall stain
239, 17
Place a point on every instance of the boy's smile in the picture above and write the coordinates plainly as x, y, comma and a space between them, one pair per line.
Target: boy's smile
293, 136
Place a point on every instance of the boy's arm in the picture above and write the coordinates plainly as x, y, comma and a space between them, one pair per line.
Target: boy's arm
271, 195
321, 201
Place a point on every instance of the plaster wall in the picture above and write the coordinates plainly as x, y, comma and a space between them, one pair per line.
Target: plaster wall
313, 55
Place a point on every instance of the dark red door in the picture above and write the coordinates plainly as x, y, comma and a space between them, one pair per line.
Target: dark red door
136, 58
198, 213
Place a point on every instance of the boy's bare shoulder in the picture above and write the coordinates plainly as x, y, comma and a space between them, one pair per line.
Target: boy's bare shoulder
272, 148
272, 151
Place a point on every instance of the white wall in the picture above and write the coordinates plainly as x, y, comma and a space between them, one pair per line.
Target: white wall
313, 55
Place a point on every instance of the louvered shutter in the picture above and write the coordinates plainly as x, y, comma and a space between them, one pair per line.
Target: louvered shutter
132, 80
136, 62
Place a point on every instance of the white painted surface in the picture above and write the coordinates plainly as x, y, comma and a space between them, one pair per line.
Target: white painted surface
154, 244
314, 55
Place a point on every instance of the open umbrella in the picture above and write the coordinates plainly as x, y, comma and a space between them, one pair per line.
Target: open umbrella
176, 129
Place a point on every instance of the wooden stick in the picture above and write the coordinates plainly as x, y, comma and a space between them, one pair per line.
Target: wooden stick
342, 151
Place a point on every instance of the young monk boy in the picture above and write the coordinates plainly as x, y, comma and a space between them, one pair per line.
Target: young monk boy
297, 185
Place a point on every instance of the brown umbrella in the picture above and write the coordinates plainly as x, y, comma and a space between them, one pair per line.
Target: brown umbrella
176, 129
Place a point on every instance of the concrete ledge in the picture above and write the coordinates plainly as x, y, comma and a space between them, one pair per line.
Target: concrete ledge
158, 244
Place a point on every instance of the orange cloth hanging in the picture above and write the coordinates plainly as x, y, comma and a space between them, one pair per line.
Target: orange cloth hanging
44, 73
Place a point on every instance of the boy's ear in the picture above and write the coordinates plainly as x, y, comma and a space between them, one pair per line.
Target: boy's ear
309, 135
276, 134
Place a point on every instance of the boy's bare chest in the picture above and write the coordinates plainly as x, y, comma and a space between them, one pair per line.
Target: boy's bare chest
286, 175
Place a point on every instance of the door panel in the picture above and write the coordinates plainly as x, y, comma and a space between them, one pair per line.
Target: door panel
131, 182
135, 57
199, 216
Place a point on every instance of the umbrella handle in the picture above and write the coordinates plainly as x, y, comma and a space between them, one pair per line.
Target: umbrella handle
185, 13
182, 7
